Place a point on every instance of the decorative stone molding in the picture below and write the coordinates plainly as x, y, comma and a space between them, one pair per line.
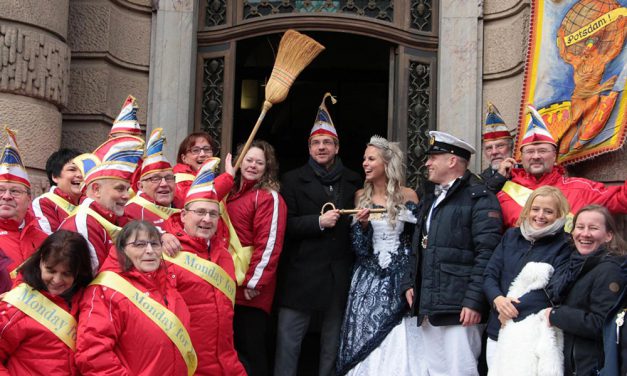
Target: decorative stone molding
33, 64
418, 115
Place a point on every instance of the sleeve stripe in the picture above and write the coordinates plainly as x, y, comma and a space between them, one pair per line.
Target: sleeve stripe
81, 228
42, 220
270, 244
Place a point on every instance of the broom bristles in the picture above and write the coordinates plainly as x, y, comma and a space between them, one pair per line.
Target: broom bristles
296, 51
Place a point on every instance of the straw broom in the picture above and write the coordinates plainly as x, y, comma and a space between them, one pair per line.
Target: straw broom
296, 51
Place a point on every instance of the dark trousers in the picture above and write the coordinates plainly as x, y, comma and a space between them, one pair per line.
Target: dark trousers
250, 327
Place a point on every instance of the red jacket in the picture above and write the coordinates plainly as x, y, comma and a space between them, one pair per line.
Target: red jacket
222, 184
97, 237
135, 211
578, 191
259, 218
211, 311
29, 348
116, 338
49, 215
17, 241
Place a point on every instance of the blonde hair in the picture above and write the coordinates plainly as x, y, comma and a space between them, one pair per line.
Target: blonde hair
395, 174
545, 191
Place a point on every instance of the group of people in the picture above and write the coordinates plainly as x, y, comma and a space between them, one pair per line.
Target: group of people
132, 266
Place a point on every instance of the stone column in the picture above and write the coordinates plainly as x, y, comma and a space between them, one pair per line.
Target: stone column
459, 72
34, 77
172, 75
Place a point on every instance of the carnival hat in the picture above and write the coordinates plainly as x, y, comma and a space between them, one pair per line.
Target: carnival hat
536, 131
494, 127
442, 142
154, 160
202, 188
126, 122
11, 166
116, 158
323, 126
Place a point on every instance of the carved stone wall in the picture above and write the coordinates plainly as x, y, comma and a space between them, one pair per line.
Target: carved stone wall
33, 64
34, 78
110, 44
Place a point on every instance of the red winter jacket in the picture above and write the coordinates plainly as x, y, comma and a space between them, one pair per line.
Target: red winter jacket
222, 184
135, 211
97, 237
259, 218
49, 215
211, 311
17, 241
578, 191
29, 348
116, 338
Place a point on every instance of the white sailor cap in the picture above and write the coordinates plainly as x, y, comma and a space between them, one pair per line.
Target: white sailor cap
441, 142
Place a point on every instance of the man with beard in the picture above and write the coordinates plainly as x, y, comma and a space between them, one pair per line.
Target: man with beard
539, 153
107, 173
317, 256
19, 234
497, 149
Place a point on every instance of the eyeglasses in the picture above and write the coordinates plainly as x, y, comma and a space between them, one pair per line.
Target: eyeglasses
326, 142
201, 213
534, 151
196, 150
157, 179
14, 192
142, 244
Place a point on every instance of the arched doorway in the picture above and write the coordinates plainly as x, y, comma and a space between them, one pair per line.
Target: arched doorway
355, 69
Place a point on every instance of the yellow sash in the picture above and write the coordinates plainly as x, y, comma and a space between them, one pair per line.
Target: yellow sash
60, 202
158, 210
111, 229
165, 319
241, 255
520, 194
207, 270
13, 273
41, 309
181, 176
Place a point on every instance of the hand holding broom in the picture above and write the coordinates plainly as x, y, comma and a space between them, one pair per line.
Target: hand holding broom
296, 51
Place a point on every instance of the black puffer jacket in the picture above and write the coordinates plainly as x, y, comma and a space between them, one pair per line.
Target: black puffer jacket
448, 275
597, 285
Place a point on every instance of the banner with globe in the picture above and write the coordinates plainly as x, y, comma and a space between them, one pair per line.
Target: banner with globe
575, 75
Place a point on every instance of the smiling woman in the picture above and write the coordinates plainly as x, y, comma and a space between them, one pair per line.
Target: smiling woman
131, 310
51, 282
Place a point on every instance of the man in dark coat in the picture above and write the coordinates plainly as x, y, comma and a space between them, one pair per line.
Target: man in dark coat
457, 230
317, 254
497, 149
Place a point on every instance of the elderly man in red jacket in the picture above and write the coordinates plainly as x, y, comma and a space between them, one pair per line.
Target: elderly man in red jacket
107, 175
19, 234
539, 153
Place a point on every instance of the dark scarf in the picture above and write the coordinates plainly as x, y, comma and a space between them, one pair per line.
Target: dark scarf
329, 178
578, 265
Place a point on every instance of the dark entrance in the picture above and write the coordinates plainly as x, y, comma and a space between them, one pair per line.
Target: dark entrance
353, 68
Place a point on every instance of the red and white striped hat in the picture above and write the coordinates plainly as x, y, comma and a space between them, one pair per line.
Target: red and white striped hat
536, 131
11, 166
323, 126
126, 122
202, 188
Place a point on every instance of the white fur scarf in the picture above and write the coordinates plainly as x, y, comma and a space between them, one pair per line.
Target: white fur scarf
529, 347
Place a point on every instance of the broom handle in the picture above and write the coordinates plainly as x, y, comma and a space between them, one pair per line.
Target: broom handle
264, 110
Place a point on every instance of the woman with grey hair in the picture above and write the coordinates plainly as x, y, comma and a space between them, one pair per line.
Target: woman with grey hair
377, 334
